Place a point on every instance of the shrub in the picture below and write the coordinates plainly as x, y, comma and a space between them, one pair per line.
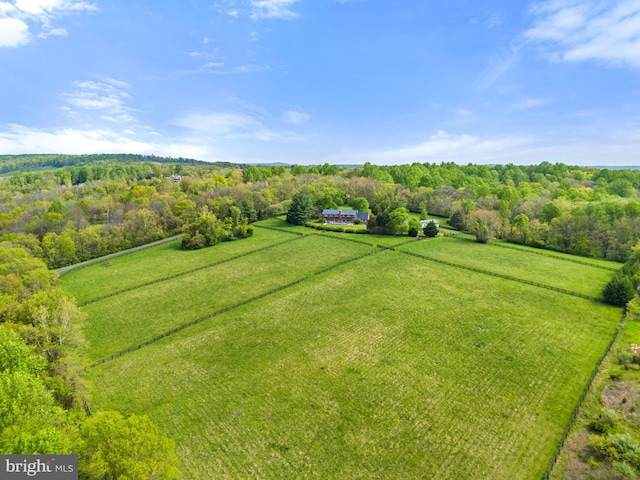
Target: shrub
625, 357
625, 469
625, 445
604, 448
619, 290
605, 421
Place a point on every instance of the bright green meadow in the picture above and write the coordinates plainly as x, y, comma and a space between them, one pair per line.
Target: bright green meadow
386, 366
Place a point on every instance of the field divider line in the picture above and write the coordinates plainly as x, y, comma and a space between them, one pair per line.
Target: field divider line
500, 275
275, 229
225, 309
576, 410
502, 244
344, 262
186, 272
352, 240
194, 322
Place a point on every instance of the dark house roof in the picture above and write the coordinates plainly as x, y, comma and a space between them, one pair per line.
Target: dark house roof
351, 213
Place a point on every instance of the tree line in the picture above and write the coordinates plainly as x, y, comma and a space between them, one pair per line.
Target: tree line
43, 400
76, 213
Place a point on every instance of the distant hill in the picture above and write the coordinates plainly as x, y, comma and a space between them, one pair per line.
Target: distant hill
30, 162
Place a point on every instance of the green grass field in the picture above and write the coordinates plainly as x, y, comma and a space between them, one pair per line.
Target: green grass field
389, 366
157, 262
548, 270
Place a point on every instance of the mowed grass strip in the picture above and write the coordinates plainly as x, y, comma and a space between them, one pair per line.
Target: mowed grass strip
549, 271
125, 320
379, 369
157, 262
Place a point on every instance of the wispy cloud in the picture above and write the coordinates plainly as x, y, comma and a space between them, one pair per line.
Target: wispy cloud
215, 68
281, 9
15, 139
530, 103
232, 125
498, 66
443, 146
494, 21
294, 117
579, 30
17, 18
108, 96
48, 31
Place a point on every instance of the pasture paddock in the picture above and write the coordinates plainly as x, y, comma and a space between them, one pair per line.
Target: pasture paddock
388, 366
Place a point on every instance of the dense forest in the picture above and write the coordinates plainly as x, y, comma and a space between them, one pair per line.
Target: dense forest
78, 212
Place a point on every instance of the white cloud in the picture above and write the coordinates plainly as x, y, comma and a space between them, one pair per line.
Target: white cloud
462, 149
42, 7
107, 97
234, 70
494, 21
296, 118
273, 9
232, 125
97, 96
498, 66
53, 32
530, 103
13, 32
16, 139
16, 19
579, 30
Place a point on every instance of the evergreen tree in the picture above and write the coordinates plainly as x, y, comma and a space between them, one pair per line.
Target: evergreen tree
301, 209
619, 290
430, 230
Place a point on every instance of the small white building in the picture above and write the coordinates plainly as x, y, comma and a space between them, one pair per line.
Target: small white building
424, 223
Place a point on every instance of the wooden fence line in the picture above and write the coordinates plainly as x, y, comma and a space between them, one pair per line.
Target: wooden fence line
499, 275
64, 270
186, 272
280, 230
541, 252
194, 322
576, 410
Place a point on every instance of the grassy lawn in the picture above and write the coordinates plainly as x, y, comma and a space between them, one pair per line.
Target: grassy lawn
125, 320
386, 367
280, 222
157, 262
547, 270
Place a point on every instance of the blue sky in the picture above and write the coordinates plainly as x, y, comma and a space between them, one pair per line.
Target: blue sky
314, 81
